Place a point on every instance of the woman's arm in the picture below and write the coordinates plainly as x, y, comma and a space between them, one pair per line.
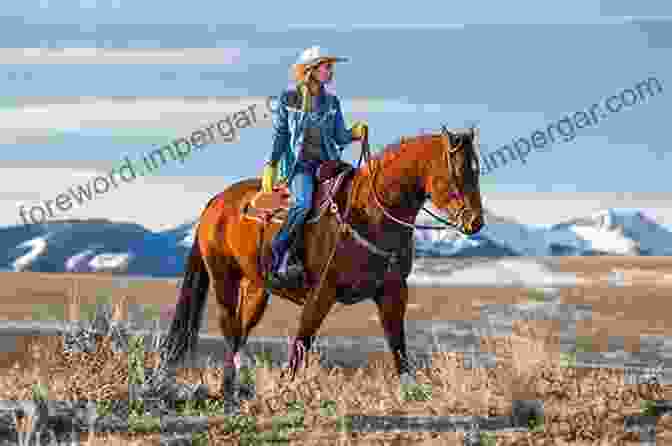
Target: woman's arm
280, 130
342, 135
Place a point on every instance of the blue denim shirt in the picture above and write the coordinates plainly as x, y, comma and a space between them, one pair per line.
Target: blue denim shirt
289, 123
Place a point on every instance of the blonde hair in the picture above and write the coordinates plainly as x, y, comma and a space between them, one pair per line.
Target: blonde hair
299, 72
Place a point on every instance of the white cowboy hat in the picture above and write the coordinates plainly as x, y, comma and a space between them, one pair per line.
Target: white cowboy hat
313, 56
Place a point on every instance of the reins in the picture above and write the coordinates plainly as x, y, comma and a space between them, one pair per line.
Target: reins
344, 227
391, 257
447, 224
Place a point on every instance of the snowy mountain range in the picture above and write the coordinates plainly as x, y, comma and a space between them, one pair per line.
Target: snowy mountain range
102, 245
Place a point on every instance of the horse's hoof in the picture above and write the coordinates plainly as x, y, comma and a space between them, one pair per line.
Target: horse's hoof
229, 391
406, 379
231, 407
201, 392
248, 392
297, 355
230, 387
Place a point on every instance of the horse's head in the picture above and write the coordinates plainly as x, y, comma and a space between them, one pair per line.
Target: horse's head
451, 178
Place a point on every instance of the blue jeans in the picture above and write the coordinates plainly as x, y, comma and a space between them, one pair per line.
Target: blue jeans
302, 187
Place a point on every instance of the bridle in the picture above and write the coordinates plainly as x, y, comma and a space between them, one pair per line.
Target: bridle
447, 156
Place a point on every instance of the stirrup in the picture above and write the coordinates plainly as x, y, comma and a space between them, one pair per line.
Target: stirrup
295, 269
292, 277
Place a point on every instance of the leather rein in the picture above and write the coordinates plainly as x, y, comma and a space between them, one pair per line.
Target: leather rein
366, 152
392, 257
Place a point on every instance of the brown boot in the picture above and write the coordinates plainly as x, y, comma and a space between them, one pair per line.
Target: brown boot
292, 277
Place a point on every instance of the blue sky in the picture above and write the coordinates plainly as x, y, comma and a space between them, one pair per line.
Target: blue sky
510, 67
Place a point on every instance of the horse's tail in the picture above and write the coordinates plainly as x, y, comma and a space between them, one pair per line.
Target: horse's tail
183, 334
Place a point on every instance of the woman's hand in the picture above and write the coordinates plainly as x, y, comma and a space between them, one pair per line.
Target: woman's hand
269, 177
359, 130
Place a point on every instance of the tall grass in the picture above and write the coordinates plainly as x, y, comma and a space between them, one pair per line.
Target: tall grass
447, 388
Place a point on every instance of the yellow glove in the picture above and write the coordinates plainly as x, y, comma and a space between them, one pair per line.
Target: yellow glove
359, 129
269, 177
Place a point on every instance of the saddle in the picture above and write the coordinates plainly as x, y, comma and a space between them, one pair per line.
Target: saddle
266, 207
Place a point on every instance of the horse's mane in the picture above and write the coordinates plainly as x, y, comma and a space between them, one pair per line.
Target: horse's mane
393, 151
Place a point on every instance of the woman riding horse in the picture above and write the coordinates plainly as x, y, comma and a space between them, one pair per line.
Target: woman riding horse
308, 130
363, 248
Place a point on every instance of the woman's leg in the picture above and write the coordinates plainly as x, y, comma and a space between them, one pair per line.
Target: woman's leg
302, 188
303, 191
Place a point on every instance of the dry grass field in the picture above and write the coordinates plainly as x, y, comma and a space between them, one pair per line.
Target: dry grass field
581, 406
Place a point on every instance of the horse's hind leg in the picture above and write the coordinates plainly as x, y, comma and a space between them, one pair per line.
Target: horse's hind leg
254, 300
391, 300
226, 280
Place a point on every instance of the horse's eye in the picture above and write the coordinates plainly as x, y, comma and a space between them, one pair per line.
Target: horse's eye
457, 140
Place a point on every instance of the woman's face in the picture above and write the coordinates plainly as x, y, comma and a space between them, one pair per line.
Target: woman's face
325, 72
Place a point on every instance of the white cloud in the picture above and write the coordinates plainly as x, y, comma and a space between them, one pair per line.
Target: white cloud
60, 56
553, 207
129, 202
42, 121
108, 111
377, 105
133, 201
38, 122
345, 27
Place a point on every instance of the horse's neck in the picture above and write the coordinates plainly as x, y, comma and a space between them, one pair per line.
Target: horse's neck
394, 184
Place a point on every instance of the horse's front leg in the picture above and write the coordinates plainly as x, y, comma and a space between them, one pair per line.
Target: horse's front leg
391, 300
313, 313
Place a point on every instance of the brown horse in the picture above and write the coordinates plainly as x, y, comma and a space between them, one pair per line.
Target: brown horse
363, 248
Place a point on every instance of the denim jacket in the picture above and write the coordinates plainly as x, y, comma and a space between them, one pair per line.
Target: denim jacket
289, 121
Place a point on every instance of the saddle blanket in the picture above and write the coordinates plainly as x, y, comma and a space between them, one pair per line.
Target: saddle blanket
270, 207
265, 207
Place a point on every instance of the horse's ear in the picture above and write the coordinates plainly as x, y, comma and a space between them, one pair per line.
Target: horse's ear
445, 131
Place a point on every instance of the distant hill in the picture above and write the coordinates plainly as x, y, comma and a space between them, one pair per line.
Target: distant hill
103, 245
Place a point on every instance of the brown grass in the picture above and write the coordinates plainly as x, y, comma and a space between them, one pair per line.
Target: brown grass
582, 406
